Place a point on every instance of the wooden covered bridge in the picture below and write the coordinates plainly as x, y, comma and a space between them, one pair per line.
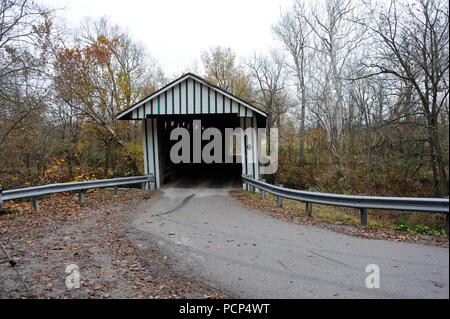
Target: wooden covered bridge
183, 103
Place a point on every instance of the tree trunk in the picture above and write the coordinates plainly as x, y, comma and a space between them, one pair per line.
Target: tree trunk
302, 116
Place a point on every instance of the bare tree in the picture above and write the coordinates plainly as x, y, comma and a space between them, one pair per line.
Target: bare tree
414, 41
336, 39
25, 39
270, 83
269, 79
294, 32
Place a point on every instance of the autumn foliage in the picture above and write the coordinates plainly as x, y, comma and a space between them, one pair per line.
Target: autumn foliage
63, 127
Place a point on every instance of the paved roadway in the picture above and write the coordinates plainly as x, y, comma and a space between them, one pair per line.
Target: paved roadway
248, 254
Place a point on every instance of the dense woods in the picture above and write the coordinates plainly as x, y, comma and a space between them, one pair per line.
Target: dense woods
358, 90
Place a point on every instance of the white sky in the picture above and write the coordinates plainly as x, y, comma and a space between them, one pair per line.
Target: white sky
175, 32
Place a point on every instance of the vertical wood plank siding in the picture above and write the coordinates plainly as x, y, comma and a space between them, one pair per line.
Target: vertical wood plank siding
249, 148
243, 152
145, 141
173, 100
151, 165
155, 152
209, 101
193, 96
201, 98
190, 97
256, 147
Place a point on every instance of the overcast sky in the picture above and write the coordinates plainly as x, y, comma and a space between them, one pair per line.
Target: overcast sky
175, 32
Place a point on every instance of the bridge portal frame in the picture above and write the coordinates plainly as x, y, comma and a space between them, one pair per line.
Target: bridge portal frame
188, 96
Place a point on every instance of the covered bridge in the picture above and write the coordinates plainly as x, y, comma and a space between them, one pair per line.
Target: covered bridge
183, 103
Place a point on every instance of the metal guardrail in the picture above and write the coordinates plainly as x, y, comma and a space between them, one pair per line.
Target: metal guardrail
80, 187
363, 203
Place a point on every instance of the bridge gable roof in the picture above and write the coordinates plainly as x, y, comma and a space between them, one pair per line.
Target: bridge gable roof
189, 94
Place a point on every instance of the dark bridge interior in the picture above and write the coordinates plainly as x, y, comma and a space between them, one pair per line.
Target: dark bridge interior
191, 175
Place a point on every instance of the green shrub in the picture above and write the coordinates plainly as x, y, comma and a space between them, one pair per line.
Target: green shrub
420, 229
402, 227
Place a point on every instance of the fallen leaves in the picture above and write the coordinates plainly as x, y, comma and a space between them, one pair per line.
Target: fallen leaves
96, 238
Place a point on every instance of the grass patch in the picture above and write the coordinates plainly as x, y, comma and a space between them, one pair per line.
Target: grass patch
414, 222
420, 229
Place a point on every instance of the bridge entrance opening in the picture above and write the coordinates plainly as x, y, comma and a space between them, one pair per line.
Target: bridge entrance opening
197, 171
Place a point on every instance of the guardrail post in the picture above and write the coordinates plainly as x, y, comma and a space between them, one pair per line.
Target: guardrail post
35, 203
1, 201
81, 197
309, 209
142, 186
363, 216
248, 187
116, 191
280, 199
446, 223
263, 192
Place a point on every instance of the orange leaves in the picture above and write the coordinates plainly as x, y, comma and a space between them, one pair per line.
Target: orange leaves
89, 71
102, 39
54, 171
68, 51
92, 78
